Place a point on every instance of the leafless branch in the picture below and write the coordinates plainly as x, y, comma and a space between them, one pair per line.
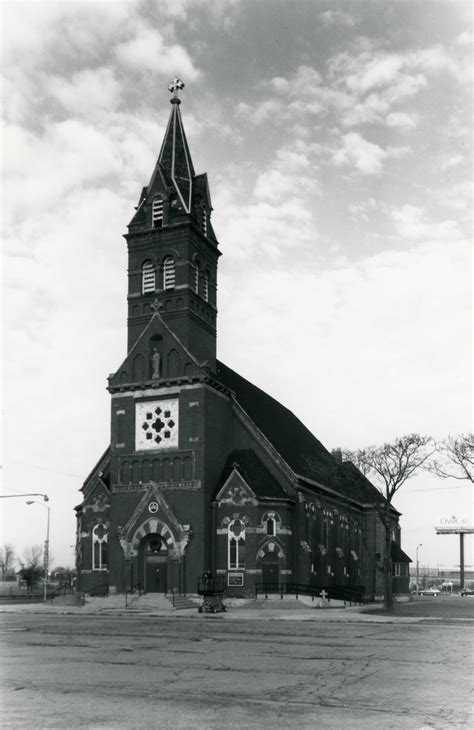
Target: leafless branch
456, 458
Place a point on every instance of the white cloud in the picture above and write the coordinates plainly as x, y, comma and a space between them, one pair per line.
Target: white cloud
44, 34
258, 113
372, 334
457, 197
336, 17
364, 211
366, 157
402, 120
465, 39
149, 52
69, 154
87, 91
452, 161
410, 222
379, 72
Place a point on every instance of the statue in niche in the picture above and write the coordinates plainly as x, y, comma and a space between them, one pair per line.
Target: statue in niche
156, 363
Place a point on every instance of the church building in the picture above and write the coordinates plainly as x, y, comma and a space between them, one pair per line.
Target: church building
204, 470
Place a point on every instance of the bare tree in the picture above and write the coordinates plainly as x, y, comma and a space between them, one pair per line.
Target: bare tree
389, 467
7, 556
357, 458
456, 458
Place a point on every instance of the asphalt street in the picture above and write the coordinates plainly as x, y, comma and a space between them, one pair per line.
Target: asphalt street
86, 671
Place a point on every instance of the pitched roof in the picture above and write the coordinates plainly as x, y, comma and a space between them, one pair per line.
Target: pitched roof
302, 451
397, 555
355, 485
255, 473
101, 469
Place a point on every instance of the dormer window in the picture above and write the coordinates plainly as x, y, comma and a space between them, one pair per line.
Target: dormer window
205, 286
157, 212
169, 274
148, 277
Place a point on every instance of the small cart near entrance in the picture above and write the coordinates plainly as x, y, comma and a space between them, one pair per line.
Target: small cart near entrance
212, 591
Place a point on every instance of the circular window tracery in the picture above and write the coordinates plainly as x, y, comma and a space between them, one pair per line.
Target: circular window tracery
237, 527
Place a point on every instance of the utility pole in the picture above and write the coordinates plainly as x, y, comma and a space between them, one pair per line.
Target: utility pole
417, 568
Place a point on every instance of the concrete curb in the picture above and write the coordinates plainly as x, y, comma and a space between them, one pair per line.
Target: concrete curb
346, 615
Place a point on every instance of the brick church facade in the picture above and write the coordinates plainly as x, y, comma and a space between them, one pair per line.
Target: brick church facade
204, 470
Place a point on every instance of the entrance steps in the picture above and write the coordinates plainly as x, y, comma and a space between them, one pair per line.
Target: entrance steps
160, 602
146, 603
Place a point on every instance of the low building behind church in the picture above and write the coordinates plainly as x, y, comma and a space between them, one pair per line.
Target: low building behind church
204, 470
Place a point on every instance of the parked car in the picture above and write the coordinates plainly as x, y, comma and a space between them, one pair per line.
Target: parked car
467, 592
429, 592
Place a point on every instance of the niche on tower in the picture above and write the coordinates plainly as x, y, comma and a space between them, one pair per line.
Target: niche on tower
156, 357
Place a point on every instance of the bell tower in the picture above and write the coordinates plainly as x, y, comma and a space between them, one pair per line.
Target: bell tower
172, 248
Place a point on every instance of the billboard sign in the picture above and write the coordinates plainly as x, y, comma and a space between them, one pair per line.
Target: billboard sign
454, 525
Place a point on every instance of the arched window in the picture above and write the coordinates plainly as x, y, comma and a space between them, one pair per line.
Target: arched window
99, 547
196, 276
205, 286
169, 274
157, 212
236, 544
148, 277
204, 221
271, 526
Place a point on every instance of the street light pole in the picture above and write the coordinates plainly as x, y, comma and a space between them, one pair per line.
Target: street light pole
28, 494
417, 568
46, 549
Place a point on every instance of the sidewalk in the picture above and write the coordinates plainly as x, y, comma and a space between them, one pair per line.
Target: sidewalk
349, 614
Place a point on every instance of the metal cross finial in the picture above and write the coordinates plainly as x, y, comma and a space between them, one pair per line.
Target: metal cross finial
156, 306
175, 86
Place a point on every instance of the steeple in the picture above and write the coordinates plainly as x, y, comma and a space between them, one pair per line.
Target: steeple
175, 158
172, 247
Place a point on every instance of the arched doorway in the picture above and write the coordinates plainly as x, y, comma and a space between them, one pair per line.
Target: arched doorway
154, 563
271, 569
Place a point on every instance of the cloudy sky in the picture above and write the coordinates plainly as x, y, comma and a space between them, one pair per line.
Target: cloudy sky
336, 137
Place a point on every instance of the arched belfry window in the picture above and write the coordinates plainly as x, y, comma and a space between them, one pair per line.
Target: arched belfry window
169, 273
196, 276
204, 221
148, 277
236, 544
99, 547
157, 212
205, 286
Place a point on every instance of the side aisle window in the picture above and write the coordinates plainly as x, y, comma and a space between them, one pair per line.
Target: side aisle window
99, 547
236, 545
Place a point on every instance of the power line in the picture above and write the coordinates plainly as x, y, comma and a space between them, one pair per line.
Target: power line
440, 489
44, 468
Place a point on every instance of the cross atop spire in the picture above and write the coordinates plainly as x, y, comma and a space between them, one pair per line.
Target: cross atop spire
175, 86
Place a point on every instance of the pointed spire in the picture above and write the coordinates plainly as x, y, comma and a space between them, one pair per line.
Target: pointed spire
174, 156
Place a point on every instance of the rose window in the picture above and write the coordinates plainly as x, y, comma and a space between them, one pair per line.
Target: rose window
157, 424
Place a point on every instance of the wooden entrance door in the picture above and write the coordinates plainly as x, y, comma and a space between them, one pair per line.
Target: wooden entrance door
271, 572
156, 573
155, 565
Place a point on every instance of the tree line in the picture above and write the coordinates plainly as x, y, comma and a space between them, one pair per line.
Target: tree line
28, 567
